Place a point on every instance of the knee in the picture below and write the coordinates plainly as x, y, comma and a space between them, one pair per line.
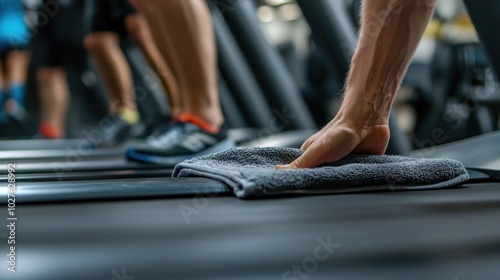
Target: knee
92, 42
135, 25
47, 75
44, 74
2, 78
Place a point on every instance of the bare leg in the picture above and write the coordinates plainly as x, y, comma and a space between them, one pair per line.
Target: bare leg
3, 78
53, 92
2, 91
139, 29
114, 68
17, 62
184, 35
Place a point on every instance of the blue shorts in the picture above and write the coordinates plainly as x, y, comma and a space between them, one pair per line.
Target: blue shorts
13, 29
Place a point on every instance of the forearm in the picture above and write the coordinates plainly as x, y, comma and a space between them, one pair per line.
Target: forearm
390, 33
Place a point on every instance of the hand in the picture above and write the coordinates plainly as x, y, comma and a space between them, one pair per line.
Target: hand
337, 140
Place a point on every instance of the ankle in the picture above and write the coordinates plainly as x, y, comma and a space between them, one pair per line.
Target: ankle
210, 113
200, 122
175, 112
129, 115
17, 93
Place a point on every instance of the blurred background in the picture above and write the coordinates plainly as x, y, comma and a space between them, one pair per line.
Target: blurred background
449, 84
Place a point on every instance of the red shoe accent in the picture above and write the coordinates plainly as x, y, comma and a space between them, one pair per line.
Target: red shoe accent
191, 118
51, 131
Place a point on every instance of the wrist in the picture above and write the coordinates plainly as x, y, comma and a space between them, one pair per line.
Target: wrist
363, 114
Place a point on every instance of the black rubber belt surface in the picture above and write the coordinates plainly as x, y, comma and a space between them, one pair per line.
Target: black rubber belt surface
481, 151
92, 190
442, 234
39, 144
90, 175
62, 167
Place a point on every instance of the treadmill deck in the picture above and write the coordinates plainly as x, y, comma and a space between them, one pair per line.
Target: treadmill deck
440, 234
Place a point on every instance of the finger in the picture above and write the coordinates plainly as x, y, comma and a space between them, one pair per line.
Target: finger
312, 157
304, 147
306, 144
309, 142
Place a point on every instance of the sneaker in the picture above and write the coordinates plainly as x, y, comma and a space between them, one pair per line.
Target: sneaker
50, 131
118, 132
18, 122
157, 126
180, 141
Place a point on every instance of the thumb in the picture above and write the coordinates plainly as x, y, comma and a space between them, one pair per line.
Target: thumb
309, 159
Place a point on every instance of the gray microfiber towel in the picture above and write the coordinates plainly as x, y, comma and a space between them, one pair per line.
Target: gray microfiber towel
251, 172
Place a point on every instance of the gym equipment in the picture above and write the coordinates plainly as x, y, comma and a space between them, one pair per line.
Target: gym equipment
68, 153
60, 168
89, 175
483, 15
463, 97
274, 79
38, 144
237, 75
480, 152
114, 189
446, 234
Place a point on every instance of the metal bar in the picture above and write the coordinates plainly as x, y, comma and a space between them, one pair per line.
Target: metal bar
90, 175
277, 83
232, 113
238, 75
484, 15
65, 167
38, 144
332, 29
49, 192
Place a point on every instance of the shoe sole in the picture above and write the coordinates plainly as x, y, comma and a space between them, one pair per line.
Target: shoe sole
173, 160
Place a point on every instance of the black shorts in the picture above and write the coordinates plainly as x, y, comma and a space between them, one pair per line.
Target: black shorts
109, 16
59, 36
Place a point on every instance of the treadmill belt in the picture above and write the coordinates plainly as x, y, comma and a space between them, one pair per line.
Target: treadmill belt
40, 144
439, 234
128, 184
47, 150
76, 149
61, 167
481, 151
59, 154
90, 175
91, 190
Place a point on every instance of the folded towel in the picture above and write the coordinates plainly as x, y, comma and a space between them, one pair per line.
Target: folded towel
251, 172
